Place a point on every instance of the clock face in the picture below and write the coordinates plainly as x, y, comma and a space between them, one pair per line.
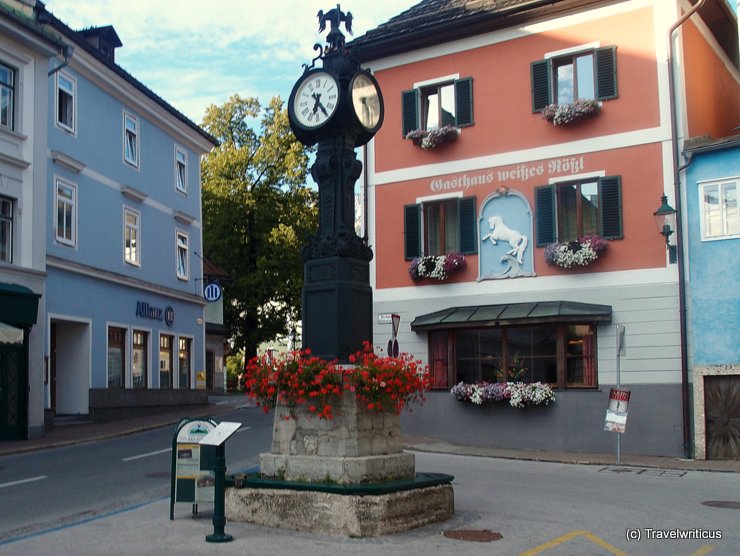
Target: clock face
366, 100
316, 99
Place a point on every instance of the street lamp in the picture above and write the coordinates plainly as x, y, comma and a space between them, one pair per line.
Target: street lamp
665, 219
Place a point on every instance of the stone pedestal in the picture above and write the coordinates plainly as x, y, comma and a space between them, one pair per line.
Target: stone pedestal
356, 446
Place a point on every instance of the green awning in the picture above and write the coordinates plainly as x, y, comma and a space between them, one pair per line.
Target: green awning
18, 305
508, 314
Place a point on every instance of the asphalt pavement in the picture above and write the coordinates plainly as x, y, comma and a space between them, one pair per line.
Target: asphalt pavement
146, 529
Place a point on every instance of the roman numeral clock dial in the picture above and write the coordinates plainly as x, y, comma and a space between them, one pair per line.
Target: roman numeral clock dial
314, 100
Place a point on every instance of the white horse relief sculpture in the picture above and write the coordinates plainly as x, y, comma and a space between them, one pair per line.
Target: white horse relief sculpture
501, 232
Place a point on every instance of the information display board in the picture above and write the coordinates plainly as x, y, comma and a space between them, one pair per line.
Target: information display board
193, 476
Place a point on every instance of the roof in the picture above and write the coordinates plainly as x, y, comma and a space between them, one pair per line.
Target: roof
699, 147
433, 22
506, 314
212, 270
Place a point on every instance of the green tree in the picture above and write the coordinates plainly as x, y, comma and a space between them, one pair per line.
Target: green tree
257, 213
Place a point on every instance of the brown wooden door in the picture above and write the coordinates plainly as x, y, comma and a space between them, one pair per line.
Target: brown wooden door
722, 409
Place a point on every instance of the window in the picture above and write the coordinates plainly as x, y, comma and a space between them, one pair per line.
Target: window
116, 357
184, 361
66, 213
431, 106
66, 99
720, 215
131, 139
568, 211
181, 170
6, 229
131, 246
182, 256
562, 355
438, 227
165, 361
140, 359
7, 96
561, 79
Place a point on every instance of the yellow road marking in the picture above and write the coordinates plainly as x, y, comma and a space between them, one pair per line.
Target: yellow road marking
573, 534
703, 550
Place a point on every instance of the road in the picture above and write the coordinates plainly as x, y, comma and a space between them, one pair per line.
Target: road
41, 490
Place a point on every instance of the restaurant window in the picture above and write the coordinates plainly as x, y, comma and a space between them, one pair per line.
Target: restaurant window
440, 226
116, 357
139, 359
436, 104
165, 361
563, 356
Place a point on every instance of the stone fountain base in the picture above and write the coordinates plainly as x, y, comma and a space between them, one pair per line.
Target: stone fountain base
346, 476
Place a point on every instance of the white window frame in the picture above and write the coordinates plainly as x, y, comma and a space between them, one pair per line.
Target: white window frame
182, 248
134, 230
13, 95
181, 163
72, 204
720, 183
131, 129
73, 100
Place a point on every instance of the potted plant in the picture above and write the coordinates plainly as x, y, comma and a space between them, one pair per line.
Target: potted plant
561, 114
431, 138
437, 267
580, 252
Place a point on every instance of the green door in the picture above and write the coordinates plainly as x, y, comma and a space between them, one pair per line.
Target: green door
13, 392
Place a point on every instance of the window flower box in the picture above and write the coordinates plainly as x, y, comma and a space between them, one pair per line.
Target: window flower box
436, 267
518, 394
561, 114
579, 252
429, 139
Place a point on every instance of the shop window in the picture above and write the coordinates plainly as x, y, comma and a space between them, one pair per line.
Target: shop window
140, 359
563, 356
184, 361
570, 210
165, 361
720, 214
6, 229
561, 79
436, 105
438, 227
116, 357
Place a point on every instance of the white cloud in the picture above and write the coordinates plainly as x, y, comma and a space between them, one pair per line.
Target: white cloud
194, 53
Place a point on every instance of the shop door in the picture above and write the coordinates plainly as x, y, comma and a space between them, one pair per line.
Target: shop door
13, 392
722, 408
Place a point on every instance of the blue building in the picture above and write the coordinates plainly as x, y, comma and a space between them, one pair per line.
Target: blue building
123, 310
713, 230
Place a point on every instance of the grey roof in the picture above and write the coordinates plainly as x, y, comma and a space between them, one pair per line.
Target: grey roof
538, 312
435, 21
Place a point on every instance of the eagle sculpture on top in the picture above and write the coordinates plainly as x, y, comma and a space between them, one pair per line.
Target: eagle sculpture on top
335, 16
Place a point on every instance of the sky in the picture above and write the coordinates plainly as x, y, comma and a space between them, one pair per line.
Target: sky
194, 53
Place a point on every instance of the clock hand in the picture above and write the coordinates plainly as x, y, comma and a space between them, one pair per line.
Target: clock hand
318, 104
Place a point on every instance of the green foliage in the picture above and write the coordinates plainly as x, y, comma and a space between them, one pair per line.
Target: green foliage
257, 214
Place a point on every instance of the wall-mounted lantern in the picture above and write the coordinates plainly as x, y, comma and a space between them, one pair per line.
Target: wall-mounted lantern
665, 219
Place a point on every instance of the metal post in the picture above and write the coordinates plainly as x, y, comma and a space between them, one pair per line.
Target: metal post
219, 514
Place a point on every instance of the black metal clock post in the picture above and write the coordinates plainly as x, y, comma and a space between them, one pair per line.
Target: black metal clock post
339, 107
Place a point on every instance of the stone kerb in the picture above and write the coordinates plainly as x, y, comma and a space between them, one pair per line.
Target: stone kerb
357, 445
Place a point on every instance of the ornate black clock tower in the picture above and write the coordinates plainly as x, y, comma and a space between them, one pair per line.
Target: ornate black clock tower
340, 107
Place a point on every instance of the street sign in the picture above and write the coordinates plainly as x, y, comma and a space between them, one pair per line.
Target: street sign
220, 434
192, 467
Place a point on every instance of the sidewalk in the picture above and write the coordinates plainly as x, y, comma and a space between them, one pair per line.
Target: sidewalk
78, 433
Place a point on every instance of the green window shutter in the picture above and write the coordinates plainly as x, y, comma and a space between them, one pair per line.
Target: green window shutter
544, 209
467, 226
610, 207
412, 231
606, 73
464, 102
410, 108
540, 72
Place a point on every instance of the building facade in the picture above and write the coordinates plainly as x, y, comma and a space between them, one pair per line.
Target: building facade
524, 150
25, 51
109, 187
712, 183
